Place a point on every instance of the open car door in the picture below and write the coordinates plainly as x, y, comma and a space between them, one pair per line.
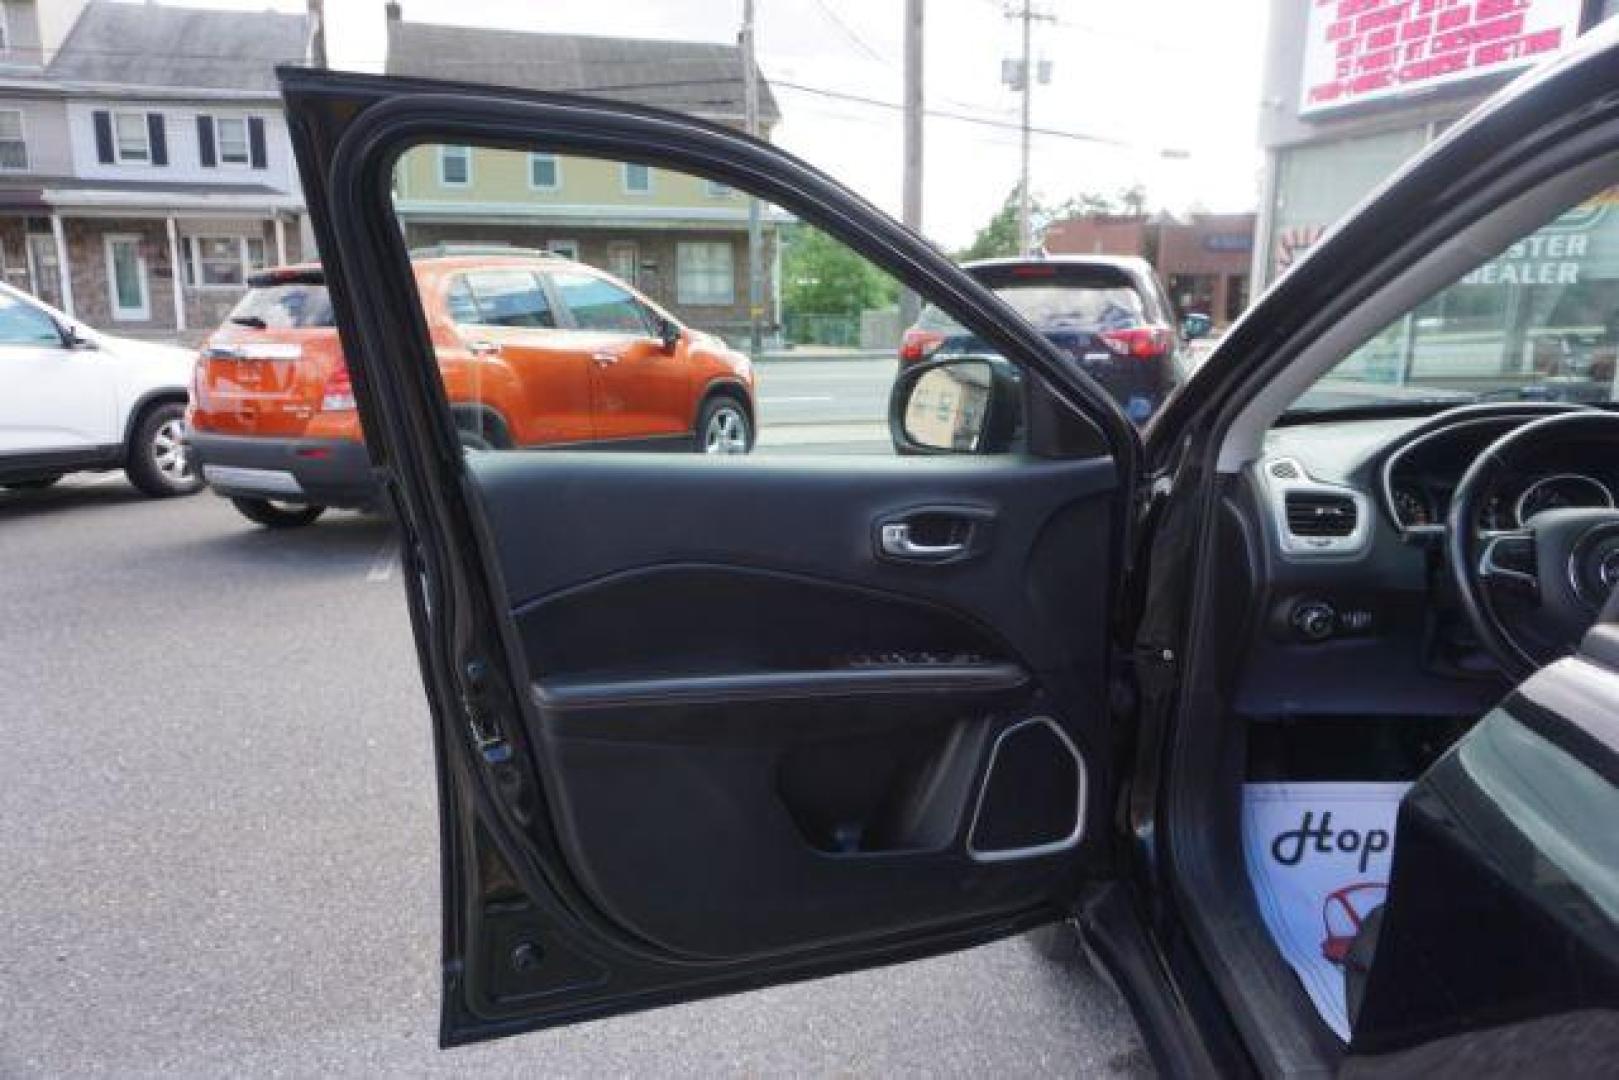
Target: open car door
709, 724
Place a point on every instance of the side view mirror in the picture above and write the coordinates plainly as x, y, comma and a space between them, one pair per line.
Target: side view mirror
1195, 325
959, 405
669, 334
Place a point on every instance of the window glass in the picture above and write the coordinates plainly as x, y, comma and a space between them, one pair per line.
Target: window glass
23, 324
600, 305
130, 133
455, 165
1537, 322
13, 150
706, 273
509, 298
458, 298
542, 171
293, 306
216, 260
808, 370
230, 133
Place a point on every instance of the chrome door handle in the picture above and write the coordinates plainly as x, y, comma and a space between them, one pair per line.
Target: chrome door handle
483, 348
605, 358
896, 540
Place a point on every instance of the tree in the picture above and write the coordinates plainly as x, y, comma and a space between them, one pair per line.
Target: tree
821, 276
999, 237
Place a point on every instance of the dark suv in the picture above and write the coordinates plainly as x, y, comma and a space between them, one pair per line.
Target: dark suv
1107, 314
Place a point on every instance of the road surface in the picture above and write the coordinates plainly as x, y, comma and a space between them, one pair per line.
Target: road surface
220, 840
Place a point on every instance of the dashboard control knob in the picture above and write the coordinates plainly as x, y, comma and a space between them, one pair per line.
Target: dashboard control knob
1314, 620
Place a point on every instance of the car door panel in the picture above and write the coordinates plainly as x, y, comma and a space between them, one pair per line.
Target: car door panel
58, 399
796, 713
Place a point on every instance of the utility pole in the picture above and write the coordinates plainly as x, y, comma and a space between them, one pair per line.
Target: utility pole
317, 33
910, 305
756, 270
1021, 75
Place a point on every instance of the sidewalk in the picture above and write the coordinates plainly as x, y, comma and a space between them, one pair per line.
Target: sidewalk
824, 352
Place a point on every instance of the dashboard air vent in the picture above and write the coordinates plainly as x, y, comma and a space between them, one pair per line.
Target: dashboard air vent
1313, 514
1285, 469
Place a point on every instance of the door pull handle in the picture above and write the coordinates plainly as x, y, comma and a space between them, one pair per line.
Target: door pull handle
897, 541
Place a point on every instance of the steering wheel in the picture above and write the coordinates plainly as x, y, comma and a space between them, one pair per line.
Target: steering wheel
1533, 591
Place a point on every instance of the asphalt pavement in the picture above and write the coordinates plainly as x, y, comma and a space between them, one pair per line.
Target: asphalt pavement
219, 853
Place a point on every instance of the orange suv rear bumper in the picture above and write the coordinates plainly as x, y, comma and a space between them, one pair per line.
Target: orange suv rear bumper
319, 472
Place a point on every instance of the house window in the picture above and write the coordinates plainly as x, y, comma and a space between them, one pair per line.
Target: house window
704, 273
13, 149
717, 190
131, 137
622, 260
454, 166
637, 179
230, 136
544, 172
222, 261
568, 249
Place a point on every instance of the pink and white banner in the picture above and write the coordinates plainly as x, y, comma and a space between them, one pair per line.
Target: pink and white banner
1366, 50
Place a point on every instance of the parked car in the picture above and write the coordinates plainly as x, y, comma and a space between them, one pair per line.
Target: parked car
534, 349
73, 399
1109, 315
702, 730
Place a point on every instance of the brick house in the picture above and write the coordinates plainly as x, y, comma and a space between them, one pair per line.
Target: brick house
148, 168
1203, 260
680, 239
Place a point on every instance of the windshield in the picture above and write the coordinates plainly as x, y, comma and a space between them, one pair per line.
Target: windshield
294, 306
1538, 322
1056, 306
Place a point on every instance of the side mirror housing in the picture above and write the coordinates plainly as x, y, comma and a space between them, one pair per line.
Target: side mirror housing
1195, 325
669, 334
958, 405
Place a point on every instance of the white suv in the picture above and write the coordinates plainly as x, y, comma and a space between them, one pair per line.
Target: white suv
74, 400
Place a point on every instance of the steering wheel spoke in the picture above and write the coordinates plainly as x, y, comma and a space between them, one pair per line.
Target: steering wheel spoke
1507, 560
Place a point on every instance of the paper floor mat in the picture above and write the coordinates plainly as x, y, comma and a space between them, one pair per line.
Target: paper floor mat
1318, 857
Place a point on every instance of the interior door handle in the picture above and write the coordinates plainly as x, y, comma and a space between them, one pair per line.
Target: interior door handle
896, 541
934, 534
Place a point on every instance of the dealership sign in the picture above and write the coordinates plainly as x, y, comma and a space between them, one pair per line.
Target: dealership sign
1369, 50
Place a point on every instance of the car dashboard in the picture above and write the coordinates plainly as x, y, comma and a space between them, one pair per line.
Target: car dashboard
1342, 528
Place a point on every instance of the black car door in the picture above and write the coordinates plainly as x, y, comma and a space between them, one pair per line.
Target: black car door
705, 725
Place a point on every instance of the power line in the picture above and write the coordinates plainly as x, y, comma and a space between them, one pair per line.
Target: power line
850, 35
943, 114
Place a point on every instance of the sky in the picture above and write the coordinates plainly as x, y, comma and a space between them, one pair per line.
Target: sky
1175, 76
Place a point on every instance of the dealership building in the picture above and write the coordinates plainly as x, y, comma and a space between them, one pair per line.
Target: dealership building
1354, 88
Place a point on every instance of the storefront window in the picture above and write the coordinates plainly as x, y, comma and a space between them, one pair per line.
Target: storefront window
1317, 185
1538, 322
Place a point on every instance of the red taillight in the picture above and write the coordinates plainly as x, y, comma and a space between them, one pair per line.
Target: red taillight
339, 393
919, 344
1140, 342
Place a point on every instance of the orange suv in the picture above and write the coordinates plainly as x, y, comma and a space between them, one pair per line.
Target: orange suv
534, 350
